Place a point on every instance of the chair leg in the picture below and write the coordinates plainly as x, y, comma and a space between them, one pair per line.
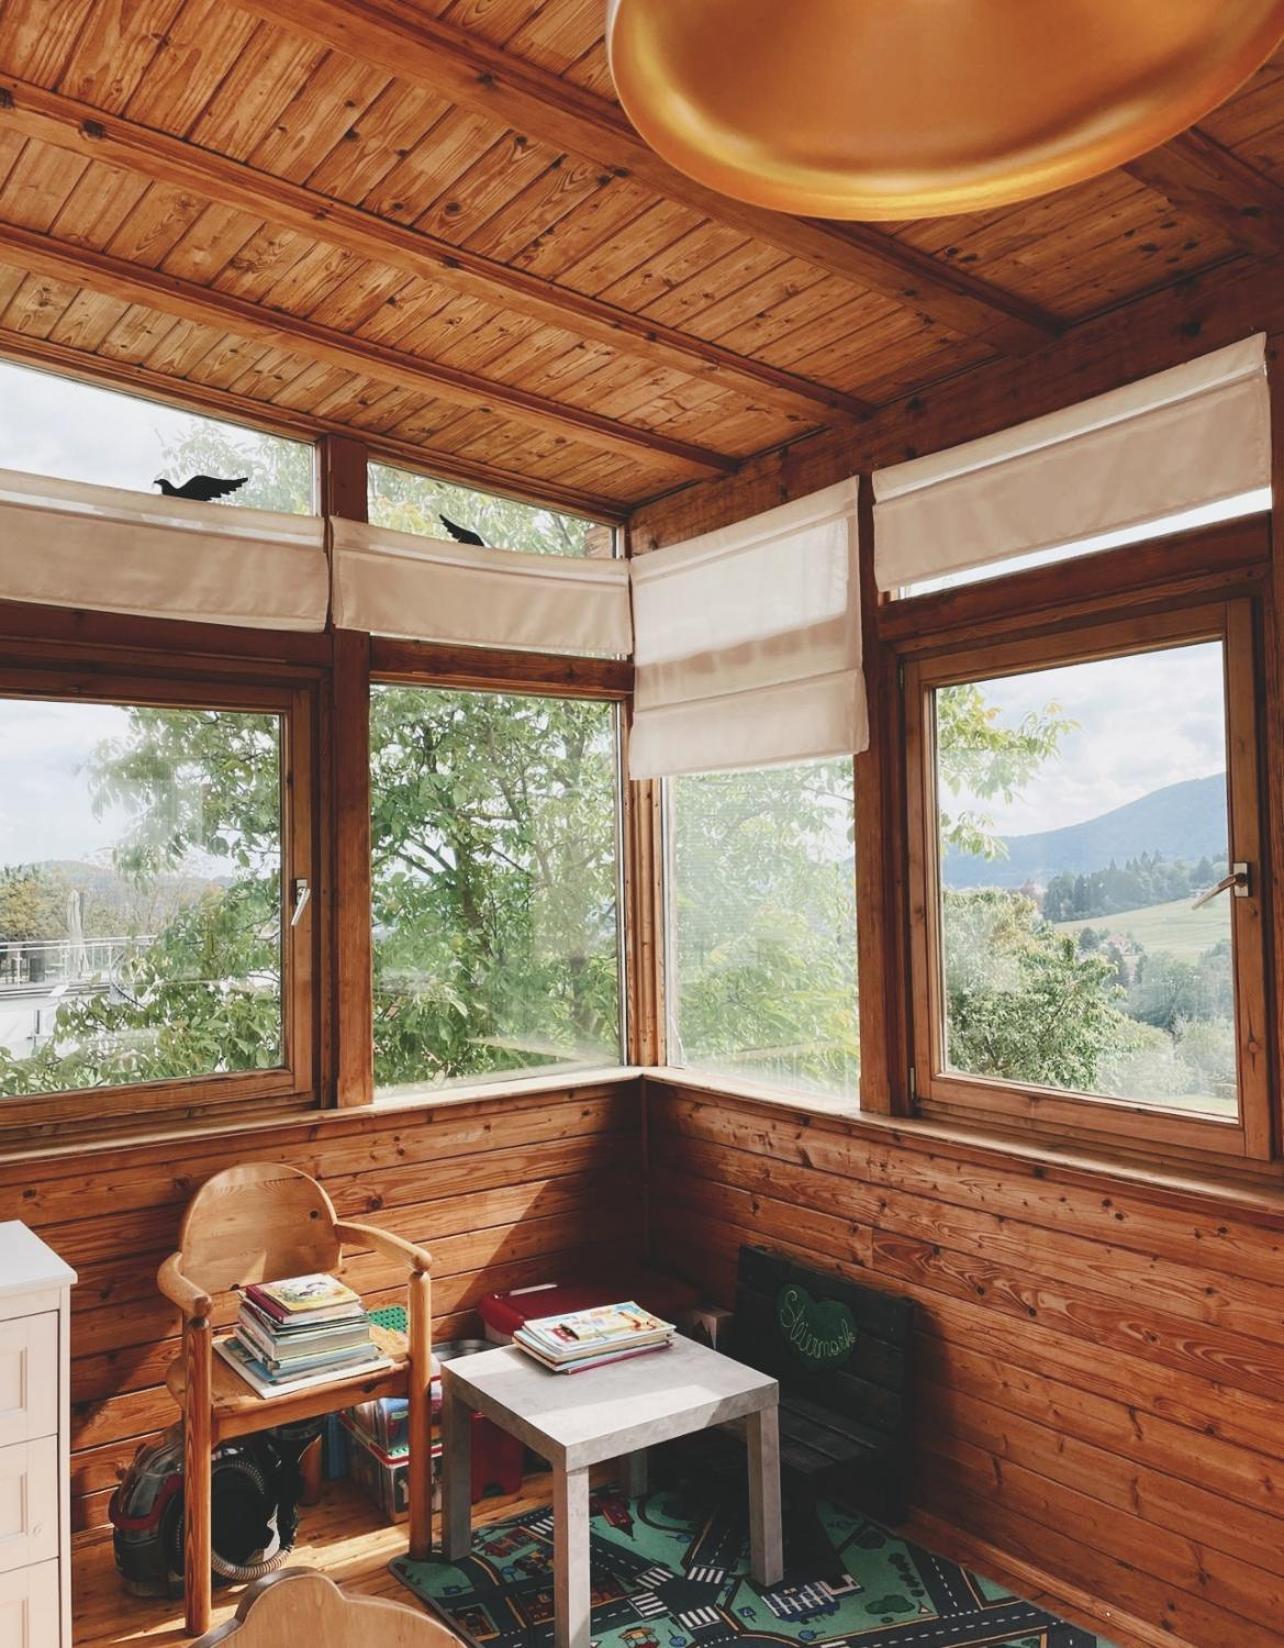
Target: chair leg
419, 1474
197, 1472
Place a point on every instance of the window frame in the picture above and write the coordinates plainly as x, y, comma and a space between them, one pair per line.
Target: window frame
295, 1078
437, 667
943, 1094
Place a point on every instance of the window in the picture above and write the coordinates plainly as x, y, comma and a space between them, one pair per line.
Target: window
76, 432
1075, 812
495, 874
146, 854
405, 502
762, 927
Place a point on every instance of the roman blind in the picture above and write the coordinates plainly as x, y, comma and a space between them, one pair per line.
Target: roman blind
428, 589
71, 544
1195, 435
747, 643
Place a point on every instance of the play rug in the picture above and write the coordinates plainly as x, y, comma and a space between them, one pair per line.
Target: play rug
670, 1570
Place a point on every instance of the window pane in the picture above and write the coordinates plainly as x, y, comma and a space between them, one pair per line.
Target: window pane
140, 859
406, 502
495, 868
1082, 811
763, 927
78, 432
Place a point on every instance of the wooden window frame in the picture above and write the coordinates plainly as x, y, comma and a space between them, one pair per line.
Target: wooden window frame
944, 1094
294, 1082
378, 661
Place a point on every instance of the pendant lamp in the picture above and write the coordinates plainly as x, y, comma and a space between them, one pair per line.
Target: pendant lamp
895, 109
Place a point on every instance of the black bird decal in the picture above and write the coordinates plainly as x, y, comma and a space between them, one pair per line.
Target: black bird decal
462, 534
204, 488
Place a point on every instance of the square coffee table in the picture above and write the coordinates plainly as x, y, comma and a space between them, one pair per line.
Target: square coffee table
578, 1420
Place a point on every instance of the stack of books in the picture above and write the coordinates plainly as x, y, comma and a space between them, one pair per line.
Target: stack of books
304, 1331
592, 1338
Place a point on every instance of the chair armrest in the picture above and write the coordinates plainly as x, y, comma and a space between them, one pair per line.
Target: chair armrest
384, 1242
194, 1302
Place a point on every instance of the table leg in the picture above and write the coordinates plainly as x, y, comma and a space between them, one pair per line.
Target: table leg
571, 1558
456, 1474
766, 1556
635, 1473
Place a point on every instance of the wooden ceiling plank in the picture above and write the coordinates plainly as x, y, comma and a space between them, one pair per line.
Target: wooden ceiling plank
38, 184
36, 39
396, 36
115, 49
87, 321
153, 287
201, 45
1196, 174
38, 304
298, 426
265, 78
35, 112
98, 206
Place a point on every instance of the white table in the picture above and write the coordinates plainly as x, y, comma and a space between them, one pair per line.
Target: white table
579, 1420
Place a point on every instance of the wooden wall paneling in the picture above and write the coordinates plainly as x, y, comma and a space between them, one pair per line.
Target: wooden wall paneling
1100, 1349
1271, 752
506, 1191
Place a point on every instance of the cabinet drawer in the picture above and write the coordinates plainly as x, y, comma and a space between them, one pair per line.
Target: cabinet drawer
29, 1607
28, 1503
28, 1377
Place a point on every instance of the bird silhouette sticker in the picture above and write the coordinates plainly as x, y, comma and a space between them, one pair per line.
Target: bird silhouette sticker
204, 488
462, 534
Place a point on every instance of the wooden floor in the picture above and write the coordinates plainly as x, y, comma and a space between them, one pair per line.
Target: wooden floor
346, 1537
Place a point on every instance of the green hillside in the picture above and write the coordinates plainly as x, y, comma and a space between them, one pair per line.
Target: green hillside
1174, 927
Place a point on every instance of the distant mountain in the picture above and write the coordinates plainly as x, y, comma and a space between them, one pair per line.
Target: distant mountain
1186, 820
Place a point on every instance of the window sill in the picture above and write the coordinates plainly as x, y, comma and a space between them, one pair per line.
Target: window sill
501, 1087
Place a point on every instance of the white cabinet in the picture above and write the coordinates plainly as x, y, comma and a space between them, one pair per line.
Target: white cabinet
35, 1460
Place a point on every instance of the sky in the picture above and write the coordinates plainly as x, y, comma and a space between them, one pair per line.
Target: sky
1143, 722
45, 810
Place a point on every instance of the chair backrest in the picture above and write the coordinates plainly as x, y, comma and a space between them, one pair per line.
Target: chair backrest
260, 1222
300, 1608
842, 1346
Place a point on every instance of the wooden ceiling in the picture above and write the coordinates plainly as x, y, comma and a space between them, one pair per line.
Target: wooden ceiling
428, 221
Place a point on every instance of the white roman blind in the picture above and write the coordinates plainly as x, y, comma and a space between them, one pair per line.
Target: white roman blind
70, 544
430, 589
747, 643
1195, 435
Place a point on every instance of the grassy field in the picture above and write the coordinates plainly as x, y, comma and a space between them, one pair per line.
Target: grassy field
1174, 927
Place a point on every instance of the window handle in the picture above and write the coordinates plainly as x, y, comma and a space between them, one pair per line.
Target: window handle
1238, 879
302, 893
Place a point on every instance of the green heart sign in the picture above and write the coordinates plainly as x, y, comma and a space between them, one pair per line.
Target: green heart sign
820, 1332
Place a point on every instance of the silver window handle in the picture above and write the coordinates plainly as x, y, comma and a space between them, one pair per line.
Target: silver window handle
302, 893
1238, 879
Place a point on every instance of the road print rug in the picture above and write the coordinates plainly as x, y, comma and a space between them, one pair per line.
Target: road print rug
671, 1570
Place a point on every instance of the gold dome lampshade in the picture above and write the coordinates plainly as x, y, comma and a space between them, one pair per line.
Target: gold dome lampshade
892, 109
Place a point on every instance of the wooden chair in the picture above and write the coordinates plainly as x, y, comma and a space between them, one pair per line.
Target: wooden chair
300, 1608
262, 1223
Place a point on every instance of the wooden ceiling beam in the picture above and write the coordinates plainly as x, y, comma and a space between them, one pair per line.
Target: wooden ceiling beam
186, 396
394, 36
152, 288
1196, 174
34, 112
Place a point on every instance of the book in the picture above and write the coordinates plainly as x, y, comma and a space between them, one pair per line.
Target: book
583, 1333
279, 1347
593, 1337
259, 1377
313, 1295
602, 1360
